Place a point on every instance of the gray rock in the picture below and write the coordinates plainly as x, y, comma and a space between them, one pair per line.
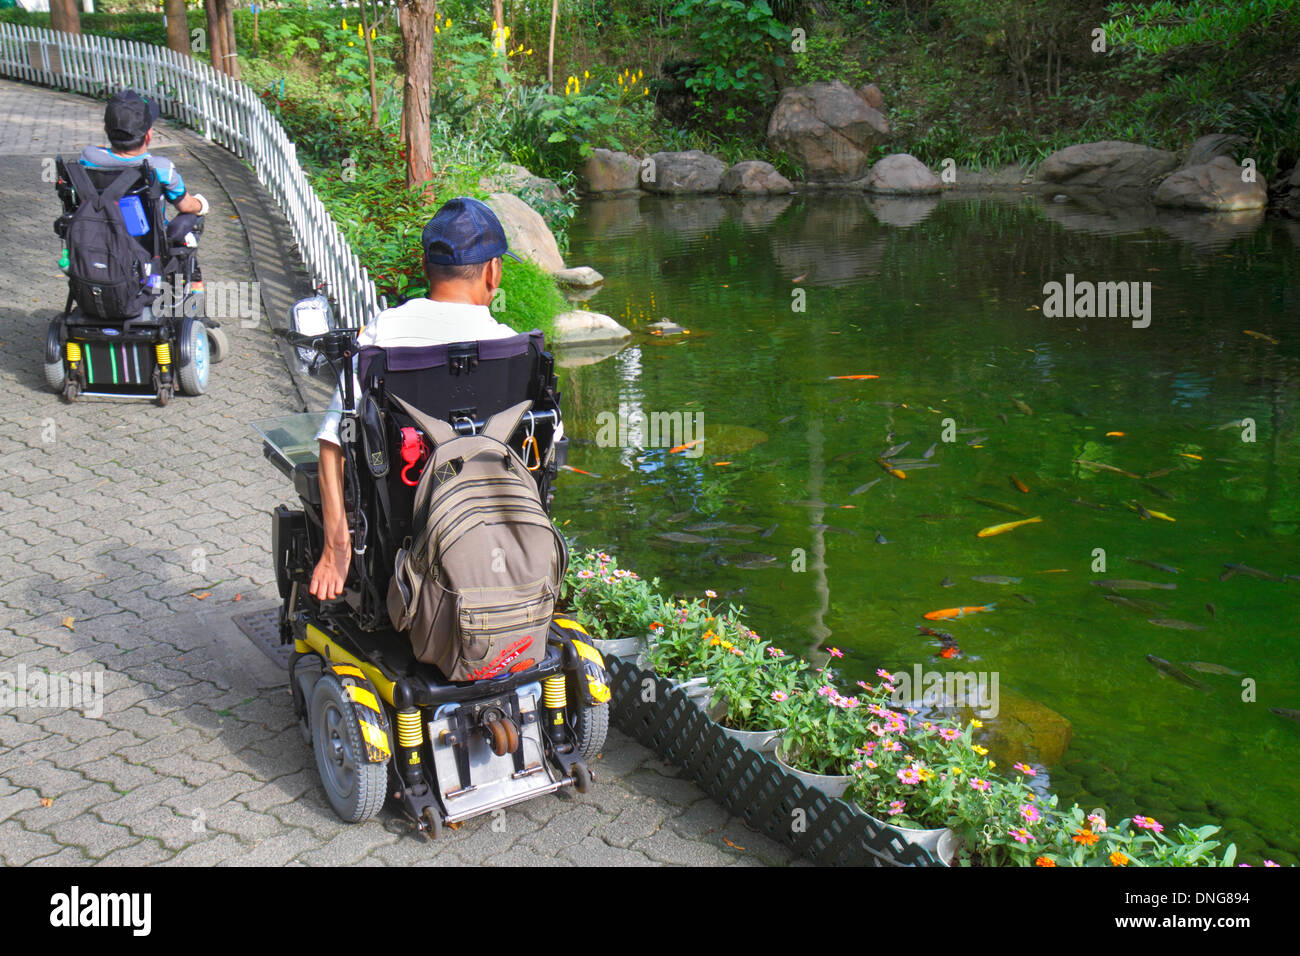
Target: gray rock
828, 128
579, 277
691, 171
872, 95
607, 171
1211, 147
526, 231
513, 178
754, 176
902, 175
580, 327
1216, 186
1111, 164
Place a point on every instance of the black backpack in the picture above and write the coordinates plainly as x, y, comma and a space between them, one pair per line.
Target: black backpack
108, 268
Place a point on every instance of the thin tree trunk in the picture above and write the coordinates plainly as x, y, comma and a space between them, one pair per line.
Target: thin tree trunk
65, 16
178, 26
216, 35
228, 25
550, 48
366, 22
418, 19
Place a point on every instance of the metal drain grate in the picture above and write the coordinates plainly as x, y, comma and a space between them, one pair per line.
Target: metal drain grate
263, 629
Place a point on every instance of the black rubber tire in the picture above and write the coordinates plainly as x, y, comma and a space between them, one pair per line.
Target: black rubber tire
590, 724
70, 391
434, 821
56, 373
581, 778
164, 395
195, 363
218, 346
356, 789
500, 742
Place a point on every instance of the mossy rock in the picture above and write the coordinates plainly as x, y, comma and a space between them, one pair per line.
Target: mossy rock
1024, 730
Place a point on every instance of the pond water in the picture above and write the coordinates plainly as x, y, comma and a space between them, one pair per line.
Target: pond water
943, 300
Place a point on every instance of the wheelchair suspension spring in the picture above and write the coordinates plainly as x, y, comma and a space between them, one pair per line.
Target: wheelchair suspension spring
163, 352
553, 693
74, 351
410, 731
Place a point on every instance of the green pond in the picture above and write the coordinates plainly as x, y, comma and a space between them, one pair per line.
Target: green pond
943, 300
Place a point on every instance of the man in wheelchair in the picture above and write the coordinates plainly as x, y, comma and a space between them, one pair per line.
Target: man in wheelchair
441, 442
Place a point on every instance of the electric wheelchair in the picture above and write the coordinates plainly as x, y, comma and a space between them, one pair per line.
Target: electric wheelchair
90, 350
380, 722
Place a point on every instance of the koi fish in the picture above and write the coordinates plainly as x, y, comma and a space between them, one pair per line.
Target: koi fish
931, 632
1019, 485
852, 378
890, 468
1114, 434
1102, 466
1003, 528
1177, 673
1192, 457
1022, 407
578, 471
1259, 335
951, 613
689, 444
949, 652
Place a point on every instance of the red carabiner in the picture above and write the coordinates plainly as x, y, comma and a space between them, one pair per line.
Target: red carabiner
414, 453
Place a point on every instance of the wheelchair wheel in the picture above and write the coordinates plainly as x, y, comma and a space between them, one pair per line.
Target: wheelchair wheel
56, 374
195, 362
590, 724
355, 788
218, 345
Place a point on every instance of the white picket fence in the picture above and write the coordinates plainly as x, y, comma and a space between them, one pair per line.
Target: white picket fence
225, 111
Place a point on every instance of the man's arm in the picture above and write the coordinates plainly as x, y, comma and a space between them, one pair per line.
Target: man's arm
192, 202
332, 569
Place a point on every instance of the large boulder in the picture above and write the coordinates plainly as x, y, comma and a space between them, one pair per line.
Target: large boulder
1023, 729
526, 231
1216, 186
871, 93
754, 177
1110, 164
513, 178
609, 171
1211, 147
902, 175
580, 327
691, 171
829, 129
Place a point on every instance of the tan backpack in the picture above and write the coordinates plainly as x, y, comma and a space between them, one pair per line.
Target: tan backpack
477, 586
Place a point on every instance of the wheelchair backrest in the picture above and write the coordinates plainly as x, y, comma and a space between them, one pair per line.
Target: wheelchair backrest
145, 188
459, 383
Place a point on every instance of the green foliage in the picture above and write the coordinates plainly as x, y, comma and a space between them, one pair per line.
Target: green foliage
828, 57
1166, 26
1272, 124
529, 298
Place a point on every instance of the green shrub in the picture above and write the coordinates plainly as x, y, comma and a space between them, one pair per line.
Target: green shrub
529, 298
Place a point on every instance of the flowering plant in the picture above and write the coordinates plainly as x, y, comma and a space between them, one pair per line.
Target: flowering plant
824, 729
610, 601
754, 681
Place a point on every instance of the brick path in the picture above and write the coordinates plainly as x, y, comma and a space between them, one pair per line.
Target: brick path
117, 516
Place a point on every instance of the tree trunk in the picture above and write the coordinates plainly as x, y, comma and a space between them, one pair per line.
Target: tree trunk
216, 35
178, 27
228, 26
418, 18
65, 16
366, 22
550, 48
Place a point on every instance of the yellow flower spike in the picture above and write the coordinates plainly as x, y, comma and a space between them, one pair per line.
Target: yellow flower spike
435, 28
351, 43
359, 33
645, 92
345, 23
586, 75
448, 26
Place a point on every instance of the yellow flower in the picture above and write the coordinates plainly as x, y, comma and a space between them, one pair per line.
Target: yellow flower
977, 723
345, 23
435, 28
447, 25
350, 43
586, 75
645, 92
979, 750
727, 645
955, 771
359, 33
528, 53
925, 773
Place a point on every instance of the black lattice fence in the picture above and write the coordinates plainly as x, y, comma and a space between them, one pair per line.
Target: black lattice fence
749, 785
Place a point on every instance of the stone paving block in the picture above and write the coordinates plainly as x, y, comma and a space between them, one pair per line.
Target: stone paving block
95, 838
562, 830
156, 750
210, 851
667, 846
672, 790
595, 852
214, 793
172, 830
119, 774
279, 791
277, 850
16, 800
19, 846
348, 847
67, 807
16, 730
637, 822
236, 819
68, 856
141, 801
140, 853
44, 777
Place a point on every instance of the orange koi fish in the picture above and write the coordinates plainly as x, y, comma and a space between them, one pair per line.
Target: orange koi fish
689, 444
852, 378
950, 613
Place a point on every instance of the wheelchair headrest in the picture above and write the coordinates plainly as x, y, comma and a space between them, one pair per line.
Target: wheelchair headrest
417, 358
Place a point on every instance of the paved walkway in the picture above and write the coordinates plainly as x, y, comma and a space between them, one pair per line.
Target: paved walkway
132, 534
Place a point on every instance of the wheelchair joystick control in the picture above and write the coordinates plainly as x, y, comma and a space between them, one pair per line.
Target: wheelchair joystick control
414, 453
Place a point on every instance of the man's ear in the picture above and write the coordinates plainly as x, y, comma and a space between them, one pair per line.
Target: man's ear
148, 138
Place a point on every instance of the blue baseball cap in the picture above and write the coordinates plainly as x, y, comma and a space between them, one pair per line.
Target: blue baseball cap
464, 232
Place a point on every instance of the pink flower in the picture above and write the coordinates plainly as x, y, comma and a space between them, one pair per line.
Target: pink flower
864, 685
896, 807
836, 652
586, 573
909, 775
1030, 813
980, 785
856, 765
711, 594
872, 765
948, 734
1098, 822
870, 747
826, 690
1148, 823
885, 674
775, 652
1027, 770
780, 695
1019, 835
604, 557
1271, 863
892, 746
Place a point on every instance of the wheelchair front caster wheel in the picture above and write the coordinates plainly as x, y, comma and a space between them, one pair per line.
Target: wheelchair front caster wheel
505, 738
433, 824
581, 778
70, 391
164, 395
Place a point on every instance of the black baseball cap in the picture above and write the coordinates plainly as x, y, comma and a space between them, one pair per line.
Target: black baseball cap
463, 232
129, 116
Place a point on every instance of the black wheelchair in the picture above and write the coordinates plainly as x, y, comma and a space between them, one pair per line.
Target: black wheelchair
380, 722
170, 342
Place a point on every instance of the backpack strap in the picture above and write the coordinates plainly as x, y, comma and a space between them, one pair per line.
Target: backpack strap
503, 424
80, 180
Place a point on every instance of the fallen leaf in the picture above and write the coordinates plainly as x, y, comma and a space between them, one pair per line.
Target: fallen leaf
239, 597
47, 801
732, 845
68, 622
205, 594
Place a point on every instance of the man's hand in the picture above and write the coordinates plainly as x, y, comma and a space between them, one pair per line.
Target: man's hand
192, 202
332, 569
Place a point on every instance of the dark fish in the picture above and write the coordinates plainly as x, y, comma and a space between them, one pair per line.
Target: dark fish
881, 539
846, 455
837, 401
681, 537
929, 452
997, 505
1127, 584
1157, 490
1076, 411
768, 533
1207, 668
1024, 409
1177, 673
679, 516
947, 583
979, 440
1176, 624
1026, 598
968, 431
931, 516
1137, 604
1289, 712
1168, 569
893, 450
1162, 472
706, 526
751, 559
994, 579
1228, 574
786, 420
912, 464
1214, 615
931, 632
741, 528
1252, 572
1089, 504
1142, 512
867, 487
1002, 417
